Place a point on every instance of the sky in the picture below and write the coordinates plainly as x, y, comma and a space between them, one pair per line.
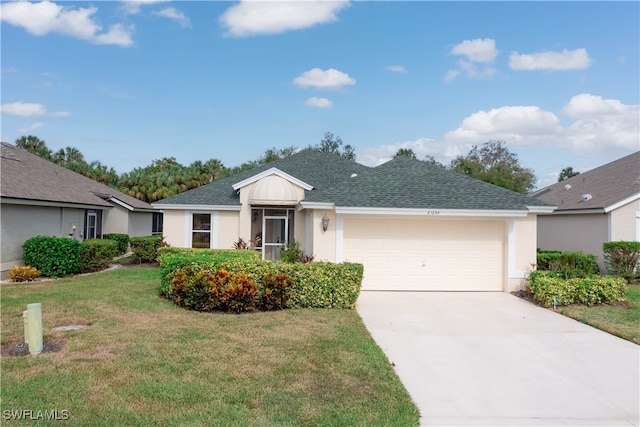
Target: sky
131, 82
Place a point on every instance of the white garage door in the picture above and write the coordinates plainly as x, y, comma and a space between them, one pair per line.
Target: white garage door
434, 255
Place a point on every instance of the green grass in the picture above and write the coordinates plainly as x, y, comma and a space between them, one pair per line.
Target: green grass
618, 320
143, 361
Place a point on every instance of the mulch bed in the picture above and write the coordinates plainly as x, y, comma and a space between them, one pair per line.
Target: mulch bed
18, 347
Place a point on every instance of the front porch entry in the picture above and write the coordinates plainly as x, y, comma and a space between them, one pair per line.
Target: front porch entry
271, 229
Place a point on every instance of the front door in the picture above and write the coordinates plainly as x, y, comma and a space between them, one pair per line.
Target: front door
276, 229
92, 225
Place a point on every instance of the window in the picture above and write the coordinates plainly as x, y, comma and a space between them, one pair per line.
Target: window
201, 231
93, 224
156, 225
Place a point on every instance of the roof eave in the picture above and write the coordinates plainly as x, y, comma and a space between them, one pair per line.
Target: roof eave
186, 207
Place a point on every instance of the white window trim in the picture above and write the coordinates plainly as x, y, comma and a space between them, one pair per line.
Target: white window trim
188, 229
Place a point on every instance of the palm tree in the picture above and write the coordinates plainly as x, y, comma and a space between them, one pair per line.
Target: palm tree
567, 172
34, 145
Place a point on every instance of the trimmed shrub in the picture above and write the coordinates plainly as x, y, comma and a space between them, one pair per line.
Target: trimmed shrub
196, 288
145, 248
275, 291
23, 273
568, 264
590, 290
121, 239
53, 256
97, 254
622, 259
315, 285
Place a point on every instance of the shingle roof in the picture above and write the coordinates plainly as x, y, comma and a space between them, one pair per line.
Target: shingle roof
607, 185
317, 169
400, 183
30, 177
408, 183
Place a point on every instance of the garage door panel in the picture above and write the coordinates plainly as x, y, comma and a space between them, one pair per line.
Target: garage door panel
426, 254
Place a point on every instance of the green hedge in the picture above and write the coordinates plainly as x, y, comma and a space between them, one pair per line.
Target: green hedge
316, 284
145, 248
590, 290
622, 259
97, 254
122, 241
568, 263
53, 256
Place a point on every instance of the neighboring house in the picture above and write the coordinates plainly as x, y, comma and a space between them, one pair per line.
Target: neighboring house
38, 197
414, 226
594, 207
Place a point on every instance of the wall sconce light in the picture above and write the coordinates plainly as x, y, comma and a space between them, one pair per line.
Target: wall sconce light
325, 222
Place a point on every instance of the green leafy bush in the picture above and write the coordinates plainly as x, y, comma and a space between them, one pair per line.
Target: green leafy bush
622, 259
97, 254
590, 290
145, 248
121, 239
275, 291
568, 263
315, 285
53, 256
23, 273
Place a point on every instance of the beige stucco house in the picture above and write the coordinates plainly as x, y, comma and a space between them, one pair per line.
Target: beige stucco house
594, 207
414, 226
38, 197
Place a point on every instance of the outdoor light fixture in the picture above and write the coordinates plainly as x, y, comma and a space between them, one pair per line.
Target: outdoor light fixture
325, 222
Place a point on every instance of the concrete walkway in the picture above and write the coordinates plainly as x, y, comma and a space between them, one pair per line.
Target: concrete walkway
492, 359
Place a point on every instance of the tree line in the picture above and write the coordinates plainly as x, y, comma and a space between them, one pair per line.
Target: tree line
491, 162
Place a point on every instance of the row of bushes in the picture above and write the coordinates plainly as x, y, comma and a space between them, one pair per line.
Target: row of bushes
571, 277
62, 256
317, 284
550, 288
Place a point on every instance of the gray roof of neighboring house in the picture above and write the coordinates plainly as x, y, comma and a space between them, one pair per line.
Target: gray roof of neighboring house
607, 185
29, 177
400, 183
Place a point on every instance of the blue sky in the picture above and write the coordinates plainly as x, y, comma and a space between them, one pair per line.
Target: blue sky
131, 82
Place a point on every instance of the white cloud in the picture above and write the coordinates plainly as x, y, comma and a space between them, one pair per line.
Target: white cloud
176, 15
477, 55
318, 102
324, 79
133, 6
397, 69
477, 50
517, 124
554, 61
422, 147
47, 17
34, 126
602, 125
249, 18
29, 109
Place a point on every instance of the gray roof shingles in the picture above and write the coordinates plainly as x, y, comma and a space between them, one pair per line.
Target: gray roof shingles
607, 185
400, 183
29, 177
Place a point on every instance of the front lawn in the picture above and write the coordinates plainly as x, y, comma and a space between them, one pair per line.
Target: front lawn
622, 320
143, 361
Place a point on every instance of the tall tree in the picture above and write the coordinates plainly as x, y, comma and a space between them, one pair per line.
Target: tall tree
34, 145
333, 144
495, 164
406, 152
567, 172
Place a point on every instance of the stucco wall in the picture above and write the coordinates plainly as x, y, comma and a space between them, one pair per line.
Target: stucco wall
624, 223
228, 222
324, 242
586, 233
140, 224
174, 227
21, 222
521, 246
116, 220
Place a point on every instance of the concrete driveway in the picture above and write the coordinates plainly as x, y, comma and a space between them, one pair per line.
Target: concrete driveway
493, 359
